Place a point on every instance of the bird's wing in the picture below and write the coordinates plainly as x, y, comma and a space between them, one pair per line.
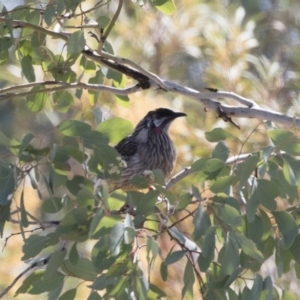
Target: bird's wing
127, 147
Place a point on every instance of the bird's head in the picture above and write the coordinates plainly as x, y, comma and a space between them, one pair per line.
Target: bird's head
156, 121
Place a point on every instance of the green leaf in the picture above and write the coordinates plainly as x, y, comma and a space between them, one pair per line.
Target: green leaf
164, 271
255, 229
188, 280
229, 259
285, 140
52, 205
94, 296
34, 244
233, 276
49, 14
25, 142
208, 168
73, 255
24, 219
229, 215
54, 263
266, 192
74, 128
68, 295
175, 256
102, 282
5, 43
8, 182
287, 227
289, 174
209, 241
267, 247
294, 249
37, 101
247, 246
266, 224
97, 79
208, 249
185, 199
4, 216
147, 203
35, 284
246, 168
4, 57
105, 225
103, 21
217, 134
75, 225
27, 68
95, 221
167, 7
155, 293
201, 222
115, 129
256, 288
63, 100
223, 184
83, 269
221, 151
76, 42
116, 238
152, 247
287, 295
129, 235
87, 65
267, 287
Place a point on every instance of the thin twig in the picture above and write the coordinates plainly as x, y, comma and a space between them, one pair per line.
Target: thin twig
110, 26
76, 85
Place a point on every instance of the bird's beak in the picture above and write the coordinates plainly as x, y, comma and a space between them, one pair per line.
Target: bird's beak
178, 114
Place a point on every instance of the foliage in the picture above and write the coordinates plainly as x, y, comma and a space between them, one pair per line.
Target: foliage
214, 232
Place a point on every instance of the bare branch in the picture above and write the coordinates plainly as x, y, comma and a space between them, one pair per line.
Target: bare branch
151, 81
63, 86
21, 24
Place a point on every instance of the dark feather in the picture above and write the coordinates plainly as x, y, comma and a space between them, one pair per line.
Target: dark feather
127, 147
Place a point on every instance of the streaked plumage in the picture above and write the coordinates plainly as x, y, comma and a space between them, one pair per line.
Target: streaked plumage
148, 148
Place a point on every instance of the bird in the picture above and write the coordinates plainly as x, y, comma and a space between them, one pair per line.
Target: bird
149, 147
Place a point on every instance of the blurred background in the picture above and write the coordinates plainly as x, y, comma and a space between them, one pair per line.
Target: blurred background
250, 47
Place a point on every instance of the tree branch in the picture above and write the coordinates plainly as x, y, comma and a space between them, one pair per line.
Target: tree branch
63, 86
150, 81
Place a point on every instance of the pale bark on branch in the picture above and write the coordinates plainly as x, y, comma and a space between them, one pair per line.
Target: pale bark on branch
148, 80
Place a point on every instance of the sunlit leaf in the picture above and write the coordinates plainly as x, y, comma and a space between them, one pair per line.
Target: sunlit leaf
37, 101
285, 140
115, 129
